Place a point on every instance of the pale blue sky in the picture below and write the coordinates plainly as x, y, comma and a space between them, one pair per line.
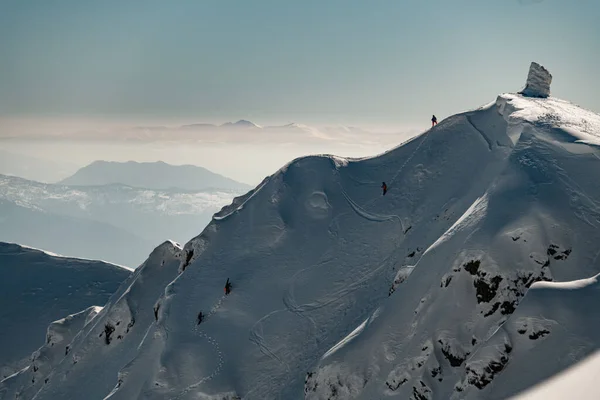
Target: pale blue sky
313, 61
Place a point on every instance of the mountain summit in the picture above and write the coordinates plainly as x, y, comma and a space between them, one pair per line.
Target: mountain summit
242, 123
151, 175
443, 288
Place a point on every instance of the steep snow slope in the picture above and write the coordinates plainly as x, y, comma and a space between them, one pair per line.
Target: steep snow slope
91, 364
28, 381
373, 295
552, 316
152, 175
311, 253
37, 288
537, 220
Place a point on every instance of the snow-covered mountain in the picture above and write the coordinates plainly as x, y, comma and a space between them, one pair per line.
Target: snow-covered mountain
97, 340
152, 175
340, 292
37, 288
116, 223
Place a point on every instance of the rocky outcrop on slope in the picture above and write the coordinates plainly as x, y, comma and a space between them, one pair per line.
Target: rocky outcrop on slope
538, 82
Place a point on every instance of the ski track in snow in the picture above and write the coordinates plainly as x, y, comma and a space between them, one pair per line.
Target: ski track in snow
367, 215
425, 137
257, 338
215, 345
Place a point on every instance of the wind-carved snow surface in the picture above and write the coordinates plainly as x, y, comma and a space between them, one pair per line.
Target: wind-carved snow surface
340, 292
537, 221
39, 287
30, 379
90, 366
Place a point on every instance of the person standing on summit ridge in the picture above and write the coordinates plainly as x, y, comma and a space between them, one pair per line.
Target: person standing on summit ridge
384, 187
227, 287
433, 121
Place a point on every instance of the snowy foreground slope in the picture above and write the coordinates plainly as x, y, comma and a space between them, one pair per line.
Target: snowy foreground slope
100, 338
37, 288
339, 292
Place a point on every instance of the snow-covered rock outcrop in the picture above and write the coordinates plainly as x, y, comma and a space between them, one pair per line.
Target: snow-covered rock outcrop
538, 82
92, 361
27, 382
340, 292
554, 318
37, 288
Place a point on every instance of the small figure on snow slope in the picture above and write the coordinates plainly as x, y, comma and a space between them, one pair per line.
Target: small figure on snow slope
200, 317
384, 187
227, 287
433, 121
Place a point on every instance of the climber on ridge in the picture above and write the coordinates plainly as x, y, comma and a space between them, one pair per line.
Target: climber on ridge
384, 187
433, 121
227, 287
200, 317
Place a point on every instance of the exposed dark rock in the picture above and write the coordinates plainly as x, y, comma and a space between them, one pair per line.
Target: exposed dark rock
156, 308
472, 266
539, 334
552, 250
508, 307
108, 331
446, 281
130, 324
393, 385
422, 393
188, 256
454, 359
486, 291
481, 379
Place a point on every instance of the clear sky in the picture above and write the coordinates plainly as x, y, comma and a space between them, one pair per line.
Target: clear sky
312, 61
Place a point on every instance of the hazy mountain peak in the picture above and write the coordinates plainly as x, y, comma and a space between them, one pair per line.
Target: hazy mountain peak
151, 175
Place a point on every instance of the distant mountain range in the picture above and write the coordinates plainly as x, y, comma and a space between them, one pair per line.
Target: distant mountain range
152, 175
213, 132
116, 222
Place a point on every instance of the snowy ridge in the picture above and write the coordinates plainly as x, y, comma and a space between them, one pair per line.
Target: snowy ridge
297, 235
409, 295
39, 287
104, 346
30, 379
539, 221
